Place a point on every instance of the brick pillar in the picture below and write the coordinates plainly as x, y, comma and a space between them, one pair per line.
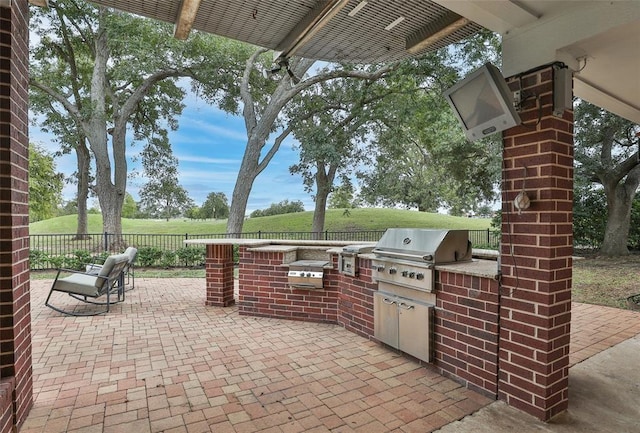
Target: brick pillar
15, 316
536, 252
219, 275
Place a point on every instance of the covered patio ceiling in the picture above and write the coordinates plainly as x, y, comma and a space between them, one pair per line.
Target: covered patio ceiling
599, 40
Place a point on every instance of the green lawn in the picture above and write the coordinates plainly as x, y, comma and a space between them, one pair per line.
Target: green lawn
336, 220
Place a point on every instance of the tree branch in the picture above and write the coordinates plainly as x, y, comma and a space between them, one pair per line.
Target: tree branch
249, 110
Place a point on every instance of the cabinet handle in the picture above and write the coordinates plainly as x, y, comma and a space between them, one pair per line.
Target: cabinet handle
405, 306
388, 301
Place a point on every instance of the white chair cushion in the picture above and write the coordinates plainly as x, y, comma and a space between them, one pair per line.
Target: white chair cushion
81, 284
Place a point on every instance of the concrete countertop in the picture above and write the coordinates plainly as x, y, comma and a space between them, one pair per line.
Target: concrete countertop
274, 248
228, 241
476, 267
260, 242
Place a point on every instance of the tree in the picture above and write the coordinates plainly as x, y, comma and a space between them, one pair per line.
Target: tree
424, 161
129, 207
330, 123
69, 207
342, 196
262, 103
194, 213
283, 207
335, 121
162, 196
606, 153
108, 84
45, 185
215, 206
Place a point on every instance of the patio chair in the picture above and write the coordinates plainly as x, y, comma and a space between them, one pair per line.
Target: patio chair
82, 285
129, 270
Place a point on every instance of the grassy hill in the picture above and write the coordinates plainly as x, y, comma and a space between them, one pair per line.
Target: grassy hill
336, 220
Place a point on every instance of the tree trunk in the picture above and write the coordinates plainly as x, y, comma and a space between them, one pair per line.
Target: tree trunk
324, 183
259, 126
110, 192
319, 213
246, 176
84, 159
616, 234
112, 221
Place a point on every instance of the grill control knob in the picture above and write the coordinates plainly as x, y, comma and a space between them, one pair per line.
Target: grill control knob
405, 273
419, 276
378, 268
412, 274
393, 271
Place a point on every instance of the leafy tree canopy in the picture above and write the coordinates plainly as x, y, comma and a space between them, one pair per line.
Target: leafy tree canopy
45, 185
215, 206
162, 196
424, 161
105, 76
607, 162
282, 207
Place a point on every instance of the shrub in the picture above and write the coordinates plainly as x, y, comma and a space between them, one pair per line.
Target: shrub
168, 259
191, 256
38, 259
78, 260
57, 261
148, 256
100, 258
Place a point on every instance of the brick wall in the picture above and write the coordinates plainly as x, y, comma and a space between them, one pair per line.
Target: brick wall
265, 292
536, 254
355, 299
466, 330
15, 319
219, 275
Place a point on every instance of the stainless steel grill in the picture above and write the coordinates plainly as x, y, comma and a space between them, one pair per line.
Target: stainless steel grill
407, 256
404, 268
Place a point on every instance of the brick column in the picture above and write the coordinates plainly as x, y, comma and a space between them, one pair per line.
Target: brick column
219, 275
536, 252
15, 317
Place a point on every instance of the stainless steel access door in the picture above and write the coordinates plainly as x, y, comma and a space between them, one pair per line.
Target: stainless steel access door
414, 328
385, 318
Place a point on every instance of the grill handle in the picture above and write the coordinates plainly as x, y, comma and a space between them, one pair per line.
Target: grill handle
426, 258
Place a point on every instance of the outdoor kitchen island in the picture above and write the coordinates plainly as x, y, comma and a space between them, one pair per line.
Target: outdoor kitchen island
332, 282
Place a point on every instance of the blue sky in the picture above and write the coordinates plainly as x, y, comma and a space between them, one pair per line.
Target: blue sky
209, 145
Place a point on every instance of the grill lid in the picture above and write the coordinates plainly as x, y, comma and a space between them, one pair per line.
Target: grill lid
433, 246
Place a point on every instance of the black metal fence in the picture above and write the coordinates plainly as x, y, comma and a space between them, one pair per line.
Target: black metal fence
50, 251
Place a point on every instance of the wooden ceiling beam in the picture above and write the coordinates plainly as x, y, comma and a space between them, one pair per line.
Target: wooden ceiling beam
311, 24
185, 19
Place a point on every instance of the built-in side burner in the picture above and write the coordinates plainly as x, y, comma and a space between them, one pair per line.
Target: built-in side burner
306, 274
348, 258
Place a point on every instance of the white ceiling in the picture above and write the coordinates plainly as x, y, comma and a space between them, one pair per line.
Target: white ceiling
599, 40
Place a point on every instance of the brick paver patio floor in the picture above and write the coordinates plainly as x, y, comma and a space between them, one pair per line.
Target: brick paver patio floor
163, 362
